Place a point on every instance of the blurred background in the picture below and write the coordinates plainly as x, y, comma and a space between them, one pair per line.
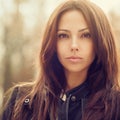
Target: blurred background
21, 25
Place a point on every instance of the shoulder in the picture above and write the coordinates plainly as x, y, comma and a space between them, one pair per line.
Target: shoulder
9, 103
19, 91
114, 104
14, 94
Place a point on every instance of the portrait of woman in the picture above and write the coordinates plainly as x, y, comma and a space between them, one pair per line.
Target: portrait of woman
78, 69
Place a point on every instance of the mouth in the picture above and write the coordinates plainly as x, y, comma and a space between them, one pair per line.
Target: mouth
74, 59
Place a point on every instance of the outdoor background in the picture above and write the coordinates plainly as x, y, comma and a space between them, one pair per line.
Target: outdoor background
21, 25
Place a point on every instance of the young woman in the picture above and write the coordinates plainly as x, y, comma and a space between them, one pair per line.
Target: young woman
78, 78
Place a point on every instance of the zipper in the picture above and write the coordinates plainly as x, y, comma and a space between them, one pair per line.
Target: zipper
67, 107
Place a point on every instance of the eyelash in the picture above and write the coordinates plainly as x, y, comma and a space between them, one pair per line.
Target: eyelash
62, 35
86, 35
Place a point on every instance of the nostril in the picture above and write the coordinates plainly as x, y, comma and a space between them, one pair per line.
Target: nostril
74, 45
74, 49
77, 49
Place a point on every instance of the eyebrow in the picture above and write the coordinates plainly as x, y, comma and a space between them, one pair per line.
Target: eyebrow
83, 29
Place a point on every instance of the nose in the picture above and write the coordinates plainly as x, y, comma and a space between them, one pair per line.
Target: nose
74, 45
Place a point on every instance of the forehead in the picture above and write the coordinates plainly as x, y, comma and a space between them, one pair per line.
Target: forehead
73, 18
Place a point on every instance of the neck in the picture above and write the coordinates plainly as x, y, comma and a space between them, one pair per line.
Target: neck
75, 79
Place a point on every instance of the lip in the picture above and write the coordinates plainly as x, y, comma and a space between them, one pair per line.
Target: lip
74, 58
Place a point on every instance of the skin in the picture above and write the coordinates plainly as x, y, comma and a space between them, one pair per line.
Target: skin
75, 48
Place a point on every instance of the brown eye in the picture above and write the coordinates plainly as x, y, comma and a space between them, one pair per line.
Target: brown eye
86, 35
62, 36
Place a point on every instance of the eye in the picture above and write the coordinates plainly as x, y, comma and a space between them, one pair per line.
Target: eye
86, 35
62, 36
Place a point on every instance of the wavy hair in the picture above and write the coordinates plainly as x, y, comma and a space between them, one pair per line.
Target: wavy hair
102, 74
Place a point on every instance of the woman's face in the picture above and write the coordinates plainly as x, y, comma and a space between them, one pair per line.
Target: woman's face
75, 48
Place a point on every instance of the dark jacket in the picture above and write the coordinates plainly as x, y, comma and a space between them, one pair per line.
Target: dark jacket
71, 104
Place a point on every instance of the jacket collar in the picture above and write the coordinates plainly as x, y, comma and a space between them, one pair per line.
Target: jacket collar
79, 92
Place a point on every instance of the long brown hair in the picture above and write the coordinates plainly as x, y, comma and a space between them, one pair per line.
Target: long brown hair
102, 74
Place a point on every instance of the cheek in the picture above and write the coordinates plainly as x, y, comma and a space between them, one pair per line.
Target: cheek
89, 51
61, 49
